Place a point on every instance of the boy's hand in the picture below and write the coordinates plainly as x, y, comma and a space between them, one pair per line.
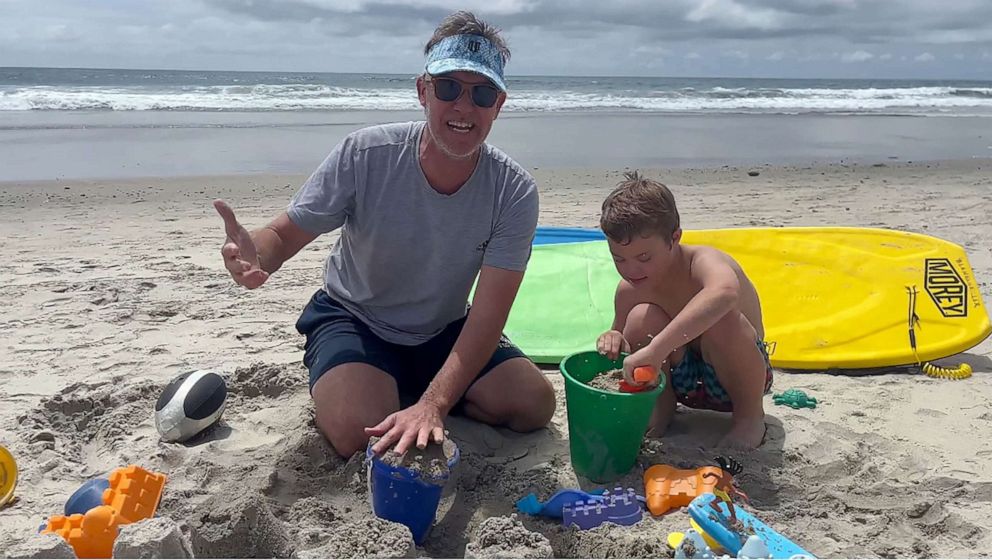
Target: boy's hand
647, 357
611, 343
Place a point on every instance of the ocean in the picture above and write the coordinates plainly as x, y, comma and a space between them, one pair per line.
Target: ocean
103, 123
52, 89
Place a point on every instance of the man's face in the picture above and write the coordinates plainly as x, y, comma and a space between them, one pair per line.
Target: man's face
458, 126
644, 258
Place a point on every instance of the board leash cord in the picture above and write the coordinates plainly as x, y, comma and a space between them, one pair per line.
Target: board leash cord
963, 371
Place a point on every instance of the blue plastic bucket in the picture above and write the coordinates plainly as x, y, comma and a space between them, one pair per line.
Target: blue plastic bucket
405, 496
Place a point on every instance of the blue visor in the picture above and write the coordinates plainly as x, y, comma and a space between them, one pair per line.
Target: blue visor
468, 53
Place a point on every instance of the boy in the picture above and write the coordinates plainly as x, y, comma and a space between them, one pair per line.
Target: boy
687, 310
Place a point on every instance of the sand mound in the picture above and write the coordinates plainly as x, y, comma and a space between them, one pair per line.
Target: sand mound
506, 537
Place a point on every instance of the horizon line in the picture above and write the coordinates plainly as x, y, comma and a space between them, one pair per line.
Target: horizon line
509, 77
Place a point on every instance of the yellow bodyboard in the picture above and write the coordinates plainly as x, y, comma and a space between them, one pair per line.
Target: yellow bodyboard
831, 297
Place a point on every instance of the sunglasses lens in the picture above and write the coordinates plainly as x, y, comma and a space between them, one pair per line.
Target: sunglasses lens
446, 90
484, 96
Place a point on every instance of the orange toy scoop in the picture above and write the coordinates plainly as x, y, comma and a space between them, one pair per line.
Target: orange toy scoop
645, 374
667, 488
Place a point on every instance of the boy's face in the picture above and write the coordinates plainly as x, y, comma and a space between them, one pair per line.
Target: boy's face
644, 259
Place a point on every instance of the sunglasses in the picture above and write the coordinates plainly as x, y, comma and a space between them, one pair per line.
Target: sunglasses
449, 89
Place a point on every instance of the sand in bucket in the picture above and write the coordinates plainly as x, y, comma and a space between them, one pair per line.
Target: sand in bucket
407, 488
605, 427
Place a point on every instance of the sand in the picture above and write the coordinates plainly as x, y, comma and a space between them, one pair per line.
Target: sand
430, 463
112, 288
607, 380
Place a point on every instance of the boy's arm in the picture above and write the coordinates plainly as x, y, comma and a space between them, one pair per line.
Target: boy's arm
717, 297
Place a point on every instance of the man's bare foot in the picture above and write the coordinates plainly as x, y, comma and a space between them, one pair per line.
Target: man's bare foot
744, 434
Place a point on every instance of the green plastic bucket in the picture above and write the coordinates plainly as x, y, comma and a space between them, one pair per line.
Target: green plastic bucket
605, 429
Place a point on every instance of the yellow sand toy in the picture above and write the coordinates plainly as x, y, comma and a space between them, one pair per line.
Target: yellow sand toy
8, 477
132, 494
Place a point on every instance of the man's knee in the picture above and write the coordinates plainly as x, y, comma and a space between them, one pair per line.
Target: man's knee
346, 435
644, 321
349, 398
515, 394
538, 404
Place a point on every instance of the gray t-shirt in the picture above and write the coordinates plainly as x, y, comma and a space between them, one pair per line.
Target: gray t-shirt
409, 255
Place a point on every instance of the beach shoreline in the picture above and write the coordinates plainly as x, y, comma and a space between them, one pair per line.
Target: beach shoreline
115, 286
115, 145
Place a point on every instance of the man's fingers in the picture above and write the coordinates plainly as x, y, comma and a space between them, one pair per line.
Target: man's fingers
382, 427
438, 433
230, 250
385, 443
408, 438
231, 224
389, 437
423, 438
254, 279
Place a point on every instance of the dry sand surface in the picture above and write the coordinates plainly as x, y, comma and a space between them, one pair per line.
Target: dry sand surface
110, 289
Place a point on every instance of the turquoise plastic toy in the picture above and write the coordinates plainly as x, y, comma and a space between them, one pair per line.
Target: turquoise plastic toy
794, 398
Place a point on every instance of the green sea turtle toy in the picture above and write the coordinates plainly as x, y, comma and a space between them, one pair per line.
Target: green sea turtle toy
795, 398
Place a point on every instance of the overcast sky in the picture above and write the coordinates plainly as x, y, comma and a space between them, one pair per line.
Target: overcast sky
761, 38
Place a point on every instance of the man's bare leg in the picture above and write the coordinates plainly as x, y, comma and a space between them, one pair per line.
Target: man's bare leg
645, 321
349, 398
514, 394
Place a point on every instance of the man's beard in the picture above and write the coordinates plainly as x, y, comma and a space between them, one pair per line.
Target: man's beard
440, 143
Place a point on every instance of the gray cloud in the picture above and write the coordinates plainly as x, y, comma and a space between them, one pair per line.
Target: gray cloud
802, 38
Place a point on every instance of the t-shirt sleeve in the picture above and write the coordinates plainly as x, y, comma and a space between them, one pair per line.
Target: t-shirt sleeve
510, 246
327, 198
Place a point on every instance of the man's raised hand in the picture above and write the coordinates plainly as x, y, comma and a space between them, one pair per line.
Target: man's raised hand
240, 255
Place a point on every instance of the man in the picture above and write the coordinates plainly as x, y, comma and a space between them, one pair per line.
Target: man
423, 208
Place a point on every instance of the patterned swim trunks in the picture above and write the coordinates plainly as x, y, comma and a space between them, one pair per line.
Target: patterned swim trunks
696, 385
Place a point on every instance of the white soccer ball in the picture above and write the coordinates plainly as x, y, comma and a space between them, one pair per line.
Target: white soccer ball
190, 403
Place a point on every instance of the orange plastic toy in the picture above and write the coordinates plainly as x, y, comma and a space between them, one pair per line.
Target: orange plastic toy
133, 495
91, 535
666, 487
645, 374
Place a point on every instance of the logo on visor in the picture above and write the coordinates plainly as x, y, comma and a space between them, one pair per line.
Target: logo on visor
474, 46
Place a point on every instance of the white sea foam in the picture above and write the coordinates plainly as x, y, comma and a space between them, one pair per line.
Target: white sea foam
319, 97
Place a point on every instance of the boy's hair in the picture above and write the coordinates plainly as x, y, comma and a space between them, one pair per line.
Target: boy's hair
639, 206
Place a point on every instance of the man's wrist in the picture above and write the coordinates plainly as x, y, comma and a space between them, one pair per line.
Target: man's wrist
436, 402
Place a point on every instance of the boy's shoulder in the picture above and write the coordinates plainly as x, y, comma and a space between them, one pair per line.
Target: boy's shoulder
703, 258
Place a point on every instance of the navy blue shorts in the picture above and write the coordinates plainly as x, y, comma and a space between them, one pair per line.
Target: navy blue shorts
335, 337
